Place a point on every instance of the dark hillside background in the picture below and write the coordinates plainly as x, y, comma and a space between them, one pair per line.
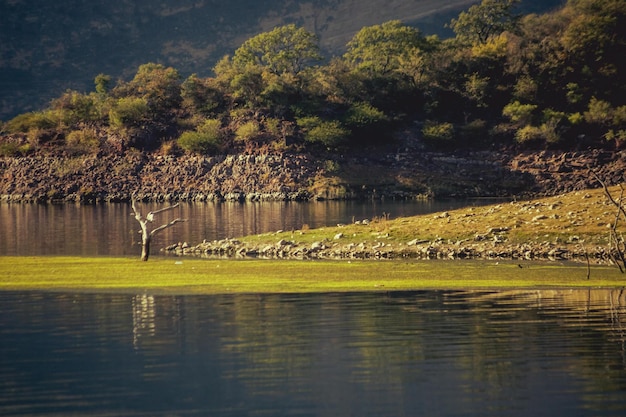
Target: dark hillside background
47, 47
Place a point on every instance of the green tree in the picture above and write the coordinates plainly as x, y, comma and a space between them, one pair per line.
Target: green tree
149, 105
285, 49
202, 96
158, 85
381, 49
482, 21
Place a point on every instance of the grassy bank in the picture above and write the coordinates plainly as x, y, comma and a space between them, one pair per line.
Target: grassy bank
189, 275
573, 226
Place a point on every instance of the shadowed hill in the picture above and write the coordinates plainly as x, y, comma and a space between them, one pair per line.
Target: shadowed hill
48, 47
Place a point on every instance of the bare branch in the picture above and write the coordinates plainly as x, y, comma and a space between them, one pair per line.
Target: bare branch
617, 253
165, 226
619, 205
152, 213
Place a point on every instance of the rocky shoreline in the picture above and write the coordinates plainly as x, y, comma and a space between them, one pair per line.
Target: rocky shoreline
569, 227
397, 175
493, 249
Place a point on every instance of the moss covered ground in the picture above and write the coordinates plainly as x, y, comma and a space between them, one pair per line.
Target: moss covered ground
175, 275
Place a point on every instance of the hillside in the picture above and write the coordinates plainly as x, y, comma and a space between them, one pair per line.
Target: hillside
49, 47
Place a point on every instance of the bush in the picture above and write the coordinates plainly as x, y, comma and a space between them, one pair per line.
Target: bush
363, 115
330, 134
247, 131
32, 120
128, 111
9, 149
599, 112
206, 138
528, 134
82, 141
74, 107
438, 134
273, 126
519, 113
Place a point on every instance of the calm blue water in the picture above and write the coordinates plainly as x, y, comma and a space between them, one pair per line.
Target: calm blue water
430, 353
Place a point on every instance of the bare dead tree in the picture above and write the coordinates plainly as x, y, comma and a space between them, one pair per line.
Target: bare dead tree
146, 234
617, 243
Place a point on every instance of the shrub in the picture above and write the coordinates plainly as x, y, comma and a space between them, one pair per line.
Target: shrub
362, 115
82, 141
32, 120
247, 131
575, 118
128, 111
528, 133
438, 134
73, 107
205, 139
272, 126
168, 148
519, 113
328, 133
9, 149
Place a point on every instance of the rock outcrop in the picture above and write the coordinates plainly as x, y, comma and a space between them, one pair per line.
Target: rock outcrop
153, 177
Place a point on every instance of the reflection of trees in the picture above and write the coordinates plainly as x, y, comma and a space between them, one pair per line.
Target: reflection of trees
157, 323
590, 326
144, 314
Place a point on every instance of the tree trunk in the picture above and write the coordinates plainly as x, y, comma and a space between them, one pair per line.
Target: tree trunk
145, 247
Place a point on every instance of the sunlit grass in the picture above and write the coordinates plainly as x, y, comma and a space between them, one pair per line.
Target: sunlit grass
578, 219
264, 276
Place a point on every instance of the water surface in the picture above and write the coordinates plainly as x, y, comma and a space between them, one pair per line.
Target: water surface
111, 230
431, 353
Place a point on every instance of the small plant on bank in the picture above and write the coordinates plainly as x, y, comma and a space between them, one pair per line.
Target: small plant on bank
207, 138
248, 131
328, 133
82, 141
440, 135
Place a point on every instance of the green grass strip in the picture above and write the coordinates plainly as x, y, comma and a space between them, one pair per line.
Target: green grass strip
186, 276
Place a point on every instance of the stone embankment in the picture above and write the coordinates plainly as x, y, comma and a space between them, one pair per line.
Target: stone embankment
406, 174
149, 177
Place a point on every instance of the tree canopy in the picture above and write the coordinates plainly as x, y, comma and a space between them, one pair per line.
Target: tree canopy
285, 49
549, 80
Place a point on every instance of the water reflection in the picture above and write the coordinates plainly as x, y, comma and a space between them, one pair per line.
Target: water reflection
144, 314
466, 353
109, 229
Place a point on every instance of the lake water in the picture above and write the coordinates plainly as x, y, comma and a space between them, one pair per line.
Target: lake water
430, 353
110, 230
